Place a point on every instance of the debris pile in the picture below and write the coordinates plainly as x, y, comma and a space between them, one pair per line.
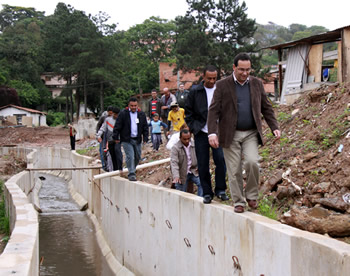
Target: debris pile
307, 173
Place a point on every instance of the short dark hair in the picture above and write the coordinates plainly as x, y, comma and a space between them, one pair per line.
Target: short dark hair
110, 108
210, 68
241, 56
115, 110
154, 90
133, 99
184, 131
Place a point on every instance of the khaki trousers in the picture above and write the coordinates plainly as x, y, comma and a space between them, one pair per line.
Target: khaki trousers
244, 143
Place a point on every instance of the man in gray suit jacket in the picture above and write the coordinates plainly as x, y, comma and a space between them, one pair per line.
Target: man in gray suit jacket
234, 123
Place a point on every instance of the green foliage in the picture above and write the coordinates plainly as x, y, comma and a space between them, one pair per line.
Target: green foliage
310, 145
282, 116
87, 150
119, 98
9, 15
273, 34
265, 153
306, 122
213, 33
28, 95
4, 219
284, 141
266, 208
55, 118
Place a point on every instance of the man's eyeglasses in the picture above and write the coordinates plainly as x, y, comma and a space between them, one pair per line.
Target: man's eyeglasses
242, 70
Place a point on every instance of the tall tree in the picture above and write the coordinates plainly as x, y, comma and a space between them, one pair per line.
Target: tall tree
213, 33
9, 15
21, 51
66, 31
149, 43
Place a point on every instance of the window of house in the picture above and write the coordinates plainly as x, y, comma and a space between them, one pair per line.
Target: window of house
19, 118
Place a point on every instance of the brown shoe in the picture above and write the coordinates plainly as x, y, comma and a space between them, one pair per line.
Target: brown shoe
239, 209
252, 203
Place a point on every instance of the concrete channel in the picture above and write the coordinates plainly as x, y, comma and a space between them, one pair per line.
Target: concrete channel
67, 239
144, 229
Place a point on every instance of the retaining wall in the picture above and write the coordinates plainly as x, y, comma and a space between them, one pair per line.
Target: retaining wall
21, 254
152, 230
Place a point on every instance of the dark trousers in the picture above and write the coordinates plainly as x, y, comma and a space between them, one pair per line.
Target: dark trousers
72, 142
203, 147
115, 150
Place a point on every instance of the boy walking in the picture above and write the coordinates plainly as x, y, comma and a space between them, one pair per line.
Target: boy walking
156, 125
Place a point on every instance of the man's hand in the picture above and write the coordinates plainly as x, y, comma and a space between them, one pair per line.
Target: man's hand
213, 141
99, 139
164, 107
277, 133
117, 141
177, 180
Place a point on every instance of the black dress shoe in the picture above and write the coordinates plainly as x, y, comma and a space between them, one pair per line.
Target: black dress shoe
206, 199
223, 196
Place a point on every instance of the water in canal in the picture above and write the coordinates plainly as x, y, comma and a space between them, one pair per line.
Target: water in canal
67, 242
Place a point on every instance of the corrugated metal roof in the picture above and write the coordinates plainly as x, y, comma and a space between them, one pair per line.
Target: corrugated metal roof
23, 108
330, 36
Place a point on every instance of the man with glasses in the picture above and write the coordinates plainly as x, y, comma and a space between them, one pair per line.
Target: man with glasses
234, 123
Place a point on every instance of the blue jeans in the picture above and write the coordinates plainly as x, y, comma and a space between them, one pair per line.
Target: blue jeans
132, 155
156, 138
202, 147
195, 180
101, 155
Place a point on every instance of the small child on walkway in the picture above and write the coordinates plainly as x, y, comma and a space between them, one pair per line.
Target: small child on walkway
156, 125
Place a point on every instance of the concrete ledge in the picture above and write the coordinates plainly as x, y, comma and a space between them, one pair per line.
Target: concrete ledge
21, 254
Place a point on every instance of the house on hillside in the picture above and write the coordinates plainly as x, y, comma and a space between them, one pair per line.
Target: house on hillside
308, 65
55, 83
18, 115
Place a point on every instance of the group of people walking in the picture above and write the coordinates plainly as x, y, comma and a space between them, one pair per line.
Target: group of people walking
224, 117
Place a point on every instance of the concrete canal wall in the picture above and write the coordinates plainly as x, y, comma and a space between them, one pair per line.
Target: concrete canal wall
144, 229
21, 254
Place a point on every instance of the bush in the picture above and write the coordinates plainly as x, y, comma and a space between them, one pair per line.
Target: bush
55, 118
4, 219
267, 209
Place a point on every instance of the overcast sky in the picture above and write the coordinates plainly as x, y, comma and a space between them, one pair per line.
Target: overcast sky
331, 14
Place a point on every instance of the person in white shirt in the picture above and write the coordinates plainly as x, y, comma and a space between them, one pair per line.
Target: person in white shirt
196, 111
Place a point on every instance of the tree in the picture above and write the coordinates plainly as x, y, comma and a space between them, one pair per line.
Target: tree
9, 15
213, 33
149, 43
28, 95
8, 96
21, 52
65, 32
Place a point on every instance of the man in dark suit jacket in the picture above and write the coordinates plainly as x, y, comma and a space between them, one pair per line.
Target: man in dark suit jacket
235, 117
129, 129
196, 111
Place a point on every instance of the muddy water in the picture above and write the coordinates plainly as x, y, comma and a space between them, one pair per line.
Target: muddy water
67, 242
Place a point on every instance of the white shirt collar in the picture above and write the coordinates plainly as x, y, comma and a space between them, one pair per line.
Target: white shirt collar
236, 81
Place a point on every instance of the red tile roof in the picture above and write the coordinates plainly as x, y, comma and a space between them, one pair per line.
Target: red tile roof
23, 108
